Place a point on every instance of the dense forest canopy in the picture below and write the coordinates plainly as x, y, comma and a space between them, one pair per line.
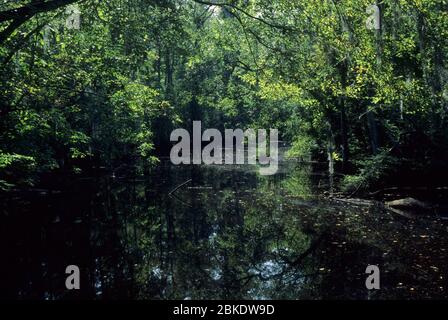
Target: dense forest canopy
109, 93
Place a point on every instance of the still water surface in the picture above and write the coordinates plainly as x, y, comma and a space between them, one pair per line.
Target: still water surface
214, 232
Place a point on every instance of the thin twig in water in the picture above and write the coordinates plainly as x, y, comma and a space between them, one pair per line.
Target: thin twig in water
171, 194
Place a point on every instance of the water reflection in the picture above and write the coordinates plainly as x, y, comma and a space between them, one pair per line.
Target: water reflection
225, 233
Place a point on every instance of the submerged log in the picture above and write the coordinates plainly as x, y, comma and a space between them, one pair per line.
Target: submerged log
409, 207
356, 201
409, 204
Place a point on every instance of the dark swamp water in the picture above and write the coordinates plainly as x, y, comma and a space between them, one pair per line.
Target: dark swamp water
224, 233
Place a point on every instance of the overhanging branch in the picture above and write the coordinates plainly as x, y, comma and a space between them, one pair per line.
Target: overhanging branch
33, 8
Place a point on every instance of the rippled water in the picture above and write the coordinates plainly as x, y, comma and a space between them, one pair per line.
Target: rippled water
212, 232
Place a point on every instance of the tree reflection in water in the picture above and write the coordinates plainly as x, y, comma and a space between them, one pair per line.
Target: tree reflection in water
226, 234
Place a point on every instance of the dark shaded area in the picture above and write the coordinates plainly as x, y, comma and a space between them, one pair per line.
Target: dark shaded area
226, 234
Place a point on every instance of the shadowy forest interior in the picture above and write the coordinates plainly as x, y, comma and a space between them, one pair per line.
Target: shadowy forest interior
87, 107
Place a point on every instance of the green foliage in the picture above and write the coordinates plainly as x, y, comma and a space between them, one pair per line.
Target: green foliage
372, 170
15, 170
111, 92
303, 147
